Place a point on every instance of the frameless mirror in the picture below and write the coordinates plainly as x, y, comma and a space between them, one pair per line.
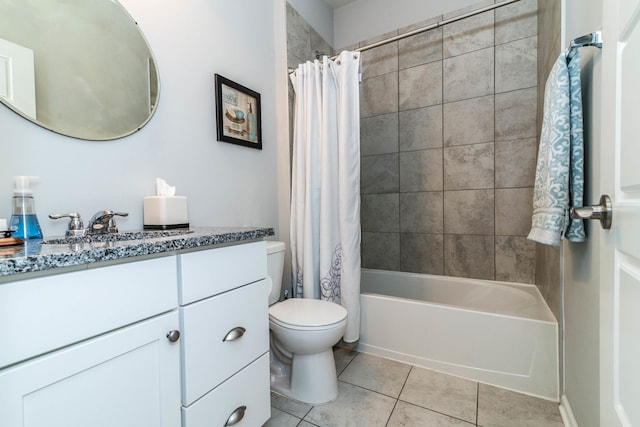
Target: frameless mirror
81, 68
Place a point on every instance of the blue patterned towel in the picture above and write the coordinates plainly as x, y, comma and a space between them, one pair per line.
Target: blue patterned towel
560, 169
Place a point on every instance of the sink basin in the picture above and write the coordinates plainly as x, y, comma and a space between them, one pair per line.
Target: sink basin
115, 237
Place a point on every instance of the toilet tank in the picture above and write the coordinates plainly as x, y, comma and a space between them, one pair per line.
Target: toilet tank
275, 267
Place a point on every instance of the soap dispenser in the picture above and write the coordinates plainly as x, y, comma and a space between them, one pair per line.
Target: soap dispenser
24, 222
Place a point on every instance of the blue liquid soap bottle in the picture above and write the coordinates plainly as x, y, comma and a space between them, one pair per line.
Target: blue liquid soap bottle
24, 222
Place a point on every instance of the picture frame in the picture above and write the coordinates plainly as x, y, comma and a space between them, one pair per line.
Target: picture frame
238, 114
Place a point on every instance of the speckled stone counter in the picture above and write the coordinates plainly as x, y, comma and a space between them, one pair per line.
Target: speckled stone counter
36, 256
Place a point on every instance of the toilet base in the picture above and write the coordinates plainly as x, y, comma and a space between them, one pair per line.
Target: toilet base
309, 379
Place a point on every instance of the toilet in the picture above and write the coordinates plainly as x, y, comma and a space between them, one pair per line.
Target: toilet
302, 332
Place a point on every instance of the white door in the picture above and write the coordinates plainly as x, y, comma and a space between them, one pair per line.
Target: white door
620, 246
17, 77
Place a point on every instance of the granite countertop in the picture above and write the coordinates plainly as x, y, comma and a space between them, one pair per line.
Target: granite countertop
35, 256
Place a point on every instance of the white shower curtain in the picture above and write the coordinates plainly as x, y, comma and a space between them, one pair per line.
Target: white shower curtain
325, 193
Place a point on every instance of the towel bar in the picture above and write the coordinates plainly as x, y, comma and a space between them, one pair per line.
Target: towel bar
593, 39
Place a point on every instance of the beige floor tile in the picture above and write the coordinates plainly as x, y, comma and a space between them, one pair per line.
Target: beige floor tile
406, 414
355, 407
503, 408
281, 419
442, 393
376, 374
290, 406
343, 356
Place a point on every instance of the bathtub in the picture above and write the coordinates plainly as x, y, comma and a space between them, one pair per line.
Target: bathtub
496, 333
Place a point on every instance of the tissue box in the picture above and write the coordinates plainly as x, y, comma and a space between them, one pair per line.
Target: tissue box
165, 212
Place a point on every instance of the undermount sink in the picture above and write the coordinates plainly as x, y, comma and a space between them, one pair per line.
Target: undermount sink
115, 237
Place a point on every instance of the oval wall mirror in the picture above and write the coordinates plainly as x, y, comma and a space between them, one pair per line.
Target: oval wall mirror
81, 68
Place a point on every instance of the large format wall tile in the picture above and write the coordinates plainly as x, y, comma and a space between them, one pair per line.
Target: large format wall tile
515, 259
420, 49
469, 167
379, 95
380, 60
514, 207
469, 75
516, 21
516, 114
379, 174
422, 253
469, 34
516, 163
380, 212
298, 35
421, 170
379, 134
421, 212
469, 212
420, 129
469, 256
420, 86
469, 121
448, 144
516, 65
381, 251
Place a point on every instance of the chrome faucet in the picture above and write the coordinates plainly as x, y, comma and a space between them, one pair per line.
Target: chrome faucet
104, 222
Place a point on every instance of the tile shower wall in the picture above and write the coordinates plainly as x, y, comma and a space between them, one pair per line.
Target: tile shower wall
448, 146
302, 43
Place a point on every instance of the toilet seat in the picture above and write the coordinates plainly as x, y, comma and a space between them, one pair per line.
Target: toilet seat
308, 314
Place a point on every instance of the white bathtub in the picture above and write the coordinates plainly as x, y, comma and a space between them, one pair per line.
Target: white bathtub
493, 332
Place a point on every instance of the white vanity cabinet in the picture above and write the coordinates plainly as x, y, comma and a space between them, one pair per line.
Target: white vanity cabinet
169, 341
90, 348
225, 343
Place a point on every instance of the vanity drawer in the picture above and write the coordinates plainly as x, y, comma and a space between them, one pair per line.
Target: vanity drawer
210, 272
43, 314
207, 359
248, 388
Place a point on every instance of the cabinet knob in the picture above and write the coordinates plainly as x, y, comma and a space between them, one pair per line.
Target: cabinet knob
234, 334
236, 416
173, 336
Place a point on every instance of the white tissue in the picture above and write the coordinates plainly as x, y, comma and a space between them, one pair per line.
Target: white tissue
164, 189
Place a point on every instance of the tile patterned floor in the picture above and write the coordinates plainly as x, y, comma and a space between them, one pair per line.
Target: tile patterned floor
373, 391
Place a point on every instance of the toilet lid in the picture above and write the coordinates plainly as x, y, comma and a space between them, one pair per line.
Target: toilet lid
306, 312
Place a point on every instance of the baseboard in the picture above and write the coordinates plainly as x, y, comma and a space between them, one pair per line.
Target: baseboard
566, 413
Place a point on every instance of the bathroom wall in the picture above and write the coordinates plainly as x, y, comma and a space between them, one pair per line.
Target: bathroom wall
448, 125
581, 261
227, 185
548, 258
362, 20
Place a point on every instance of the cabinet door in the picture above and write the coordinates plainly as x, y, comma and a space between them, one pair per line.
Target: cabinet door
127, 378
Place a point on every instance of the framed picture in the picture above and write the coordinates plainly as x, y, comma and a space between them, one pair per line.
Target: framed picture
237, 114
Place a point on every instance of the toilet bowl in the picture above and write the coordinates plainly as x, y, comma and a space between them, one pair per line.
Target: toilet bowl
303, 332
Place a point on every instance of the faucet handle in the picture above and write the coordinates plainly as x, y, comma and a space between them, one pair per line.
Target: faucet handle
112, 222
76, 227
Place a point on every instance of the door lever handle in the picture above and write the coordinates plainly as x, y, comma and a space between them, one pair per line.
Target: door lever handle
602, 212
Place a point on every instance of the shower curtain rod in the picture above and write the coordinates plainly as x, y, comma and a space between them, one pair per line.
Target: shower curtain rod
430, 27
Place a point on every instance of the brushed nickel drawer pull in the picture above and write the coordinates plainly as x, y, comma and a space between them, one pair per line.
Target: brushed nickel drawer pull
234, 334
236, 416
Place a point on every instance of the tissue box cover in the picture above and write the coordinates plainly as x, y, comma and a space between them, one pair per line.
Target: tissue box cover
165, 212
